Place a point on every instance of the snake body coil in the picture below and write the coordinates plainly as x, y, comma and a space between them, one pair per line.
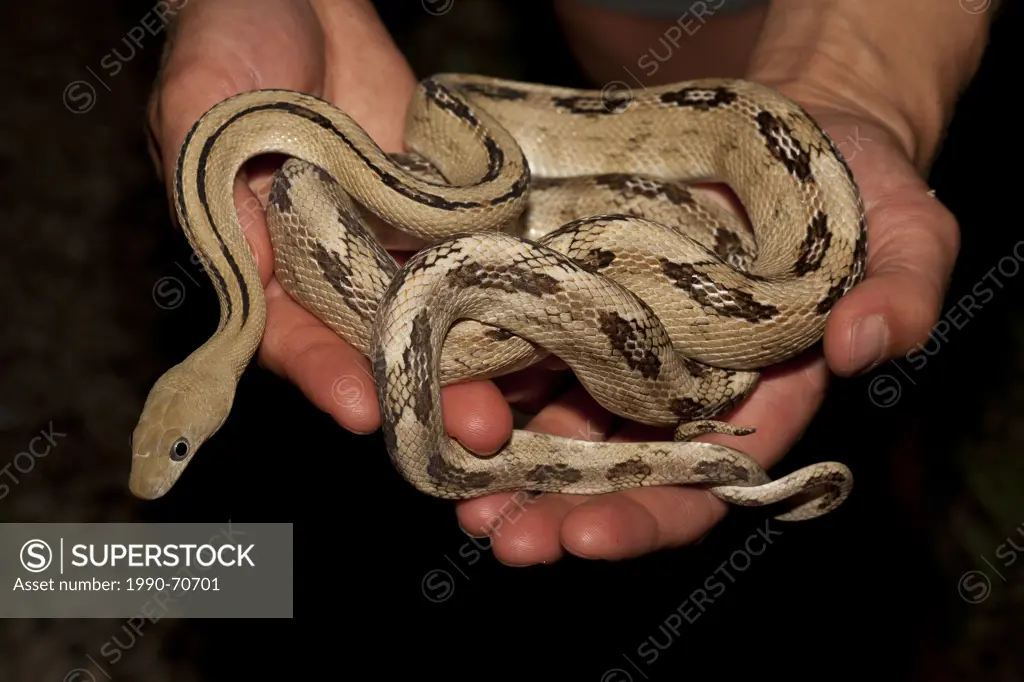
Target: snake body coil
556, 221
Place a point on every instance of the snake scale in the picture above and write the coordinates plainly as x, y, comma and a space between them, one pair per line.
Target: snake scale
555, 221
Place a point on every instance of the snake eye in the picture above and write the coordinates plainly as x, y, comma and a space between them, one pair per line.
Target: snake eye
180, 449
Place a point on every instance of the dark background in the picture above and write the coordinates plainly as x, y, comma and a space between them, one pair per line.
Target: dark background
868, 591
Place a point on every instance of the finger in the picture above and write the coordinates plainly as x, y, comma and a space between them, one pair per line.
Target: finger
635, 522
477, 416
333, 375
531, 389
337, 379
533, 537
913, 241
220, 49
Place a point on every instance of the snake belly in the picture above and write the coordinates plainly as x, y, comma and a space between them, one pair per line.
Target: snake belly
560, 221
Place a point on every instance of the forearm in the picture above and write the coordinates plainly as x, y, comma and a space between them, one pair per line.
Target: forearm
905, 62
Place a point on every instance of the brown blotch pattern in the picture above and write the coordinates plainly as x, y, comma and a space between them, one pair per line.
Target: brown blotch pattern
595, 259
705, 291
447, 475
724, 472
596, 106
632, 342
687, 409
631, 186
634, 469
559, 473
497, 334
418, 358
422, 260
815, 245
278, 196
337, 272
694, 368
702, 99
730, 249
512, 279
850, 279
390, 414
784, 146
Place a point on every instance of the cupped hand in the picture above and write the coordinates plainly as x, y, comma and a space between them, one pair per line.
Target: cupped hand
912, 245
341, 52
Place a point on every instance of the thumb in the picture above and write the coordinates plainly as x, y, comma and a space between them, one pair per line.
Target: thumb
913, 241
216, 50
219, 49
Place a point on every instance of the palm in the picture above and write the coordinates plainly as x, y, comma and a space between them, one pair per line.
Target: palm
906, 226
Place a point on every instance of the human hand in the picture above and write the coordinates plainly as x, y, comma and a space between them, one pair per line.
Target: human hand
913, 241
337, 50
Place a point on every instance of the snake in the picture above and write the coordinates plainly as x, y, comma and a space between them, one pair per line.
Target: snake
551, 223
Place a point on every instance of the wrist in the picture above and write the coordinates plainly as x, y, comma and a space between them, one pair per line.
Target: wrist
859, 57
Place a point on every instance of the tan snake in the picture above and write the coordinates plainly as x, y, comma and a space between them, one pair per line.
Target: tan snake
557, 221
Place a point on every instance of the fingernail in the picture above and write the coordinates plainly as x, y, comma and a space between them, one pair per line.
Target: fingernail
870, 338
475, 537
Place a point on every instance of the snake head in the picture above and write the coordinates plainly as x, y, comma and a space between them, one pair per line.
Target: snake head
176, 420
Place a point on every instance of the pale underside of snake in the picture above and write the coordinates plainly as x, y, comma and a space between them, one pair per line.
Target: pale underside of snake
556, 221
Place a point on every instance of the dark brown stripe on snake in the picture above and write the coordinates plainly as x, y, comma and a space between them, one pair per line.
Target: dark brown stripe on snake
561, 473
508, 278
447, 475
392, 181
815, 245
443, 98
631, 185
218, 279
500, 92
635, 470
705, 291
784, 146
630, 341
702, 99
